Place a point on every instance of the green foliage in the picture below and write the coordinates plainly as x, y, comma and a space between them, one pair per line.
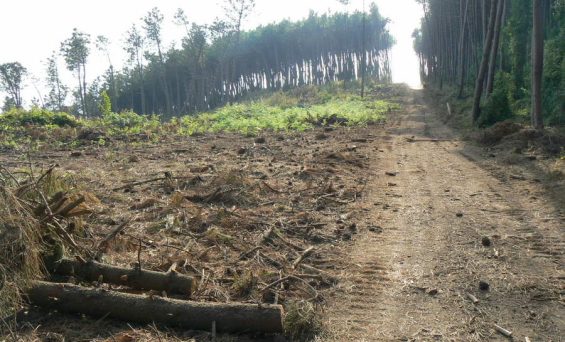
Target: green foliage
275, 114
126, 122
9, 103
554, 79
519, 28
76, 49
38, 117
105, 105
11, 80
297, 110
497, 107
57, 90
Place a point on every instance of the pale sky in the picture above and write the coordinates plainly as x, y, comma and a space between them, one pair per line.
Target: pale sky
32, 29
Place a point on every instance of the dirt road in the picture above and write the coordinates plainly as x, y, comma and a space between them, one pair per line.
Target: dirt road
410, 277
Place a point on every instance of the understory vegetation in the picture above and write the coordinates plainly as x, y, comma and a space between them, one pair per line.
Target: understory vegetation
479, 56
299, 109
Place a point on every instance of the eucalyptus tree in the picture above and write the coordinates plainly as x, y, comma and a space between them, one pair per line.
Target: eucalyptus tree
181, 19
57, 90
11, 81
153, 22
135, 50
103, 45
236, 11
76, 50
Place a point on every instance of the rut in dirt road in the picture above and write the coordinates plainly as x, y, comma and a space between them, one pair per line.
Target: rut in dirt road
412, 280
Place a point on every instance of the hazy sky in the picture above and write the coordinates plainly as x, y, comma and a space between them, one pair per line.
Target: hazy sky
32, 29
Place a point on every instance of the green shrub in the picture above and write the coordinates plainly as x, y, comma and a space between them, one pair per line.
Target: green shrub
554, 81
252, 117
105, 105
497, 107
128, 121
18, 117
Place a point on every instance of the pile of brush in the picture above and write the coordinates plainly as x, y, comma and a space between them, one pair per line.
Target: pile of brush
36, 212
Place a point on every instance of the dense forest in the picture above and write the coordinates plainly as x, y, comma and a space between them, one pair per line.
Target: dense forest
216, 64
505, 54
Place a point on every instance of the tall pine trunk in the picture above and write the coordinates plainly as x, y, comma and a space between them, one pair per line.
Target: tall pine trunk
494, 53
479, 83
537, 64
84, 90
462, 41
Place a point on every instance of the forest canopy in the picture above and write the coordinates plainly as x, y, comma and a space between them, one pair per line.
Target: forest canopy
220, 63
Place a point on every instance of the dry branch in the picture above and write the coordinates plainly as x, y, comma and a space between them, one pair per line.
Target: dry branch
302, 256
319, 272
503, 331
145, 310
171, 282
472, 298
131, 185
64, 211
110, 237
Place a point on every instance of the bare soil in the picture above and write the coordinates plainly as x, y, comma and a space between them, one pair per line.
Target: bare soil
410, 280
409, 218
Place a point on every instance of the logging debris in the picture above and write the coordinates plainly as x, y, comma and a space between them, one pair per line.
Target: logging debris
231, 224
229, 317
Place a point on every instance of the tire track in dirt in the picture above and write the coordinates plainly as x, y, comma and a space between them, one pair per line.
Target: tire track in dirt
410, 282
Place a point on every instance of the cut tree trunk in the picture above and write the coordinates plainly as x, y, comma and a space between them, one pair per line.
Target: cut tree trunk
141, 309
171, 282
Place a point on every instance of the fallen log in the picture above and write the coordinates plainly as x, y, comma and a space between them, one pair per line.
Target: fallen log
170, 282
232, 317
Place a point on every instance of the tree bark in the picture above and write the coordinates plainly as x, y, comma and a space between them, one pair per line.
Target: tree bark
364, 57
172, 283
495, 43
231, 317
462, 41
479, 83
537, 64
84, 90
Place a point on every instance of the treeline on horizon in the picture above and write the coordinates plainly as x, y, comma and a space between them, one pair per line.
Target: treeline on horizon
505, 55
216, 64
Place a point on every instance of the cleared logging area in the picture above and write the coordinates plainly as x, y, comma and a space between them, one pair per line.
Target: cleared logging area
239, 228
